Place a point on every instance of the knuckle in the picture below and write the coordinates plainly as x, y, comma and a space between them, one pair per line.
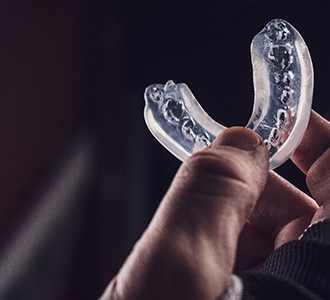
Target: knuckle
211, 179
223, 164
217, 172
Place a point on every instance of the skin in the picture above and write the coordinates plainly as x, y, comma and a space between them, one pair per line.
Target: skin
223, 201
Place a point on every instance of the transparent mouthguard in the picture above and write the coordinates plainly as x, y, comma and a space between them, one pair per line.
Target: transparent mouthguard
283, 88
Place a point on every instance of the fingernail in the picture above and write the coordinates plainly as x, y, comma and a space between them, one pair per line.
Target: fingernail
238, 137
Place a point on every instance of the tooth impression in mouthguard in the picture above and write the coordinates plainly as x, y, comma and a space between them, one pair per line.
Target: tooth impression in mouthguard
283, 86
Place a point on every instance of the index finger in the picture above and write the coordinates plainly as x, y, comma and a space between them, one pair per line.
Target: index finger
315, 142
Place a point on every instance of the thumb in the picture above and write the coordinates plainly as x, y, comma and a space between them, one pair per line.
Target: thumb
222, 183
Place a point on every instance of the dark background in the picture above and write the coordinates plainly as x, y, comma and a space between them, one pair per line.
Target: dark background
76, 71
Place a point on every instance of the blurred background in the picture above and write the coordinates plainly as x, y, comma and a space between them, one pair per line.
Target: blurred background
80, 173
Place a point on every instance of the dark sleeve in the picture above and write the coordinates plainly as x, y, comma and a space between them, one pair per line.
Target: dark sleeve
297, 270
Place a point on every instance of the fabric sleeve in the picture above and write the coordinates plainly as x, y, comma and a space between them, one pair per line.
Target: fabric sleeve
298, 270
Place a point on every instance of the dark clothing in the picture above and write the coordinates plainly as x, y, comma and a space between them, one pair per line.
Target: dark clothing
297, 270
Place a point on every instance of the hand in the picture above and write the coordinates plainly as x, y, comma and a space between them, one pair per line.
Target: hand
283, 212
188, 250
313, 158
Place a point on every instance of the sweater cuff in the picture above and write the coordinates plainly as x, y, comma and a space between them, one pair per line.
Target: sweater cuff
306, 261
318, 231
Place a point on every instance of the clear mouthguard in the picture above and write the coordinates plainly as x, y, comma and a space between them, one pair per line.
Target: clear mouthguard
283, 86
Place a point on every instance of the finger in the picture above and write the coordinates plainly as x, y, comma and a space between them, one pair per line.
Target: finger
280, 203
318, 180
281, 214
316, 140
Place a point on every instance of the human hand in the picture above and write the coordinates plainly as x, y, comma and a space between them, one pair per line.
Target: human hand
283, 212
313, 158
188, 250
